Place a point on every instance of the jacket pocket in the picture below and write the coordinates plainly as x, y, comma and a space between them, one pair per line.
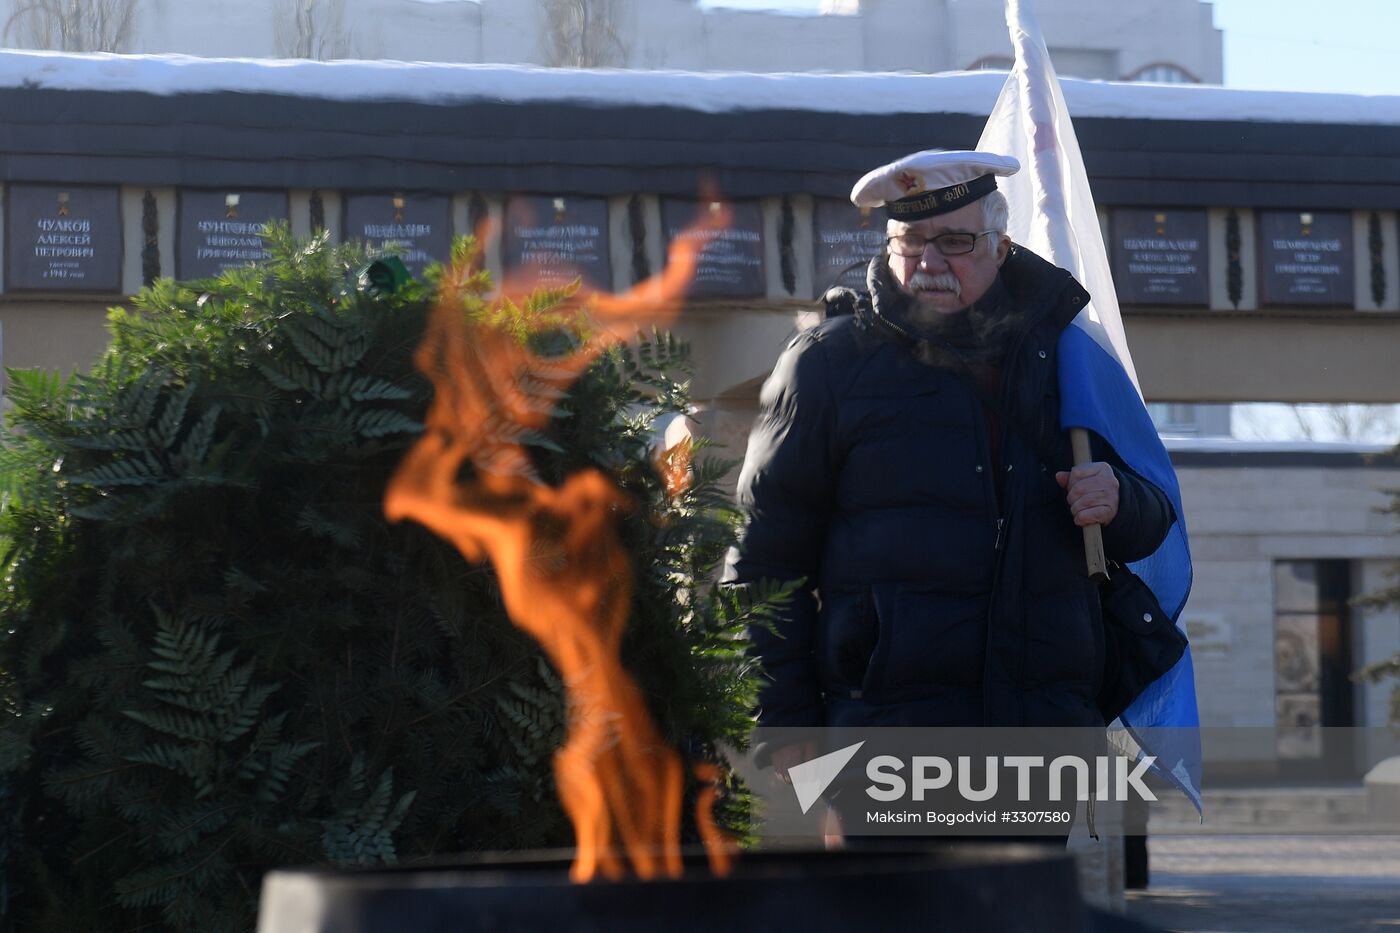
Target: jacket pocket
1065, 640
850, 633
929, 638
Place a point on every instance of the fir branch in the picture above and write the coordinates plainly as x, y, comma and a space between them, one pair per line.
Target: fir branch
222, 643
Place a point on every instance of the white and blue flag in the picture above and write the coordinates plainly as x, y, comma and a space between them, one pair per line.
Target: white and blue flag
1053, 215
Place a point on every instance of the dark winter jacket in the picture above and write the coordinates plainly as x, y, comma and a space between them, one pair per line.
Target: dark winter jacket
935, 594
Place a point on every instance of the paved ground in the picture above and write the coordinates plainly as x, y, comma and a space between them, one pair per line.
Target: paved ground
1272, 884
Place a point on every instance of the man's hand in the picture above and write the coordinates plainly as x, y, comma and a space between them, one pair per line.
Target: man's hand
1092, 492
789, 755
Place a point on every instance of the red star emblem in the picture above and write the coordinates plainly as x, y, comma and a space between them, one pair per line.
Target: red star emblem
909, 181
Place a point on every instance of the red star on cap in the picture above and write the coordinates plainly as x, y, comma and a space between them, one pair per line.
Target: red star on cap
909, 181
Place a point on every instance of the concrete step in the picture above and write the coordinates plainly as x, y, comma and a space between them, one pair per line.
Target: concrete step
1284, 808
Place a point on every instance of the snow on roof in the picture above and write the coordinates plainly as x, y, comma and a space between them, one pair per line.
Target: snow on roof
721, 8
1234, 445
863, 93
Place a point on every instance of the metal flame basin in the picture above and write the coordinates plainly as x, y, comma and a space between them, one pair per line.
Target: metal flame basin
994, 888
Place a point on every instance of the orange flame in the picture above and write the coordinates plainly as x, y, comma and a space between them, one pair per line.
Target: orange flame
673, 466
564, 574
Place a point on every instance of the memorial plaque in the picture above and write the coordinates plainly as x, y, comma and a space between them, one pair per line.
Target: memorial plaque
556, 240
1305, 258
731, 260
846, 241
417, 227
1160, 257
220, 230
62, 238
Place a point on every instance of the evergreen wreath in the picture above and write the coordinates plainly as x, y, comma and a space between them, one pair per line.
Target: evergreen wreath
217, 655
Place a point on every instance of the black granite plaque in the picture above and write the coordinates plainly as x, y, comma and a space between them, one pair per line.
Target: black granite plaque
219, 230
554, 240
1305, 258
731, 260
846, 241
63, 238
1160, 257
418, 227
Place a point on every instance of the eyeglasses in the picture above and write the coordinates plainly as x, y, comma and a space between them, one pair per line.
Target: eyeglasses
912, 245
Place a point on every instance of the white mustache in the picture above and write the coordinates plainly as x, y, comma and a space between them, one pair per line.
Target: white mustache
943, 282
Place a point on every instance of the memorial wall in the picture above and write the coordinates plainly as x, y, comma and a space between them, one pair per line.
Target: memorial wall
68, 239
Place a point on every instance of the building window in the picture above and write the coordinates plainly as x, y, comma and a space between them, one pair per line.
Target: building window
1190, 419
1174, 419
1163, 73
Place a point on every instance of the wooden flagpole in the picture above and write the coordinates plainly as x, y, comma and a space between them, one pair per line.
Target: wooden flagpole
1093, 534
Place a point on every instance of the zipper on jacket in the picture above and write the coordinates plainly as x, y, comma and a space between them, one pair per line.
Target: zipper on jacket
1013, 366
1013, 361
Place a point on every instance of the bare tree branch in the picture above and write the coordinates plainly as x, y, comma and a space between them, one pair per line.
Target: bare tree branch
1375, 424
582, 34
72, 25
311, 29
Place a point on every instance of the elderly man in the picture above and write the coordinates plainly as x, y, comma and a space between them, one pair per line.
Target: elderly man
909, 465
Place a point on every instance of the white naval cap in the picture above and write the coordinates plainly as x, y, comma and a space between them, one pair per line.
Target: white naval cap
932, 182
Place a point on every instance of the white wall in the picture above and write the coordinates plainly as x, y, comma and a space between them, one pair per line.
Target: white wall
1379, 638
1132, 34
747, 41
1091, 38
209, 29
908, 35
442, 32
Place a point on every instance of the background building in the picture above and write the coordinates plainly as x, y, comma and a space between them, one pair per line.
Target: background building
1167, 40
1284, 536
1254, 237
